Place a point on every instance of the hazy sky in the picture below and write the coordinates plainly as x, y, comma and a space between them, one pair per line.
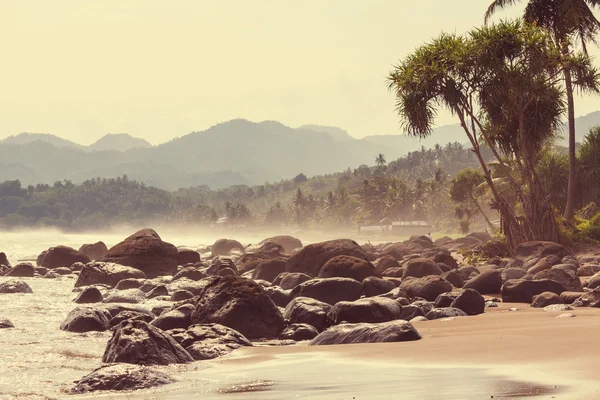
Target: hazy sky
160, 69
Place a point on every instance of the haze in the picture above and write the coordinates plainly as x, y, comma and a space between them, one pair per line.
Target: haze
159, 70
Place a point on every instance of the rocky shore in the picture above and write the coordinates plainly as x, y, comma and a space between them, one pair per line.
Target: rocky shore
164, 305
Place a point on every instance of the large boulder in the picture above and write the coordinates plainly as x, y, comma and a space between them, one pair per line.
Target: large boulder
299, 332
446, 312
446, 258
305, 310
469, 301
530, 250
311, 258
86, 319
543, 264
392, 331
288, 243
94, 251
269, 269
568, 279
191, 272
90, 294
223, 247
374, 286
146, 251
329, 290
289, 280
454, 278
119, 377
384, 263
4, 259
180, 317
106, 273
240, 304
546, 299
137, 342
420, 267
513, 273
22, 270
428, 287
208, 341
488, 282
347, 267
523, 291
61, 256
589, 299
187, 256
373, 309
14, 286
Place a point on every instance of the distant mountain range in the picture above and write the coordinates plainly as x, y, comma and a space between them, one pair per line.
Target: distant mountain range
230, 153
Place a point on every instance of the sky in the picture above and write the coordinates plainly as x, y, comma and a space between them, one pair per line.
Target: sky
160, 69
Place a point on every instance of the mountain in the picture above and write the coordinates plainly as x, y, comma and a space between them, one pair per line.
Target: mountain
27, 138
118, 142
334, 132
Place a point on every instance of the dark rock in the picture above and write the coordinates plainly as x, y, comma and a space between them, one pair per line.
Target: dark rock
5, 323
546, 299
61, 256
137, 342
445, 299
454, 278
394, 294
394, 272
51, 275
22, 270
384, 263
489, 282
90, 294
195, 287
429, 287
589, 299
240, 304
193, 273
119, 377
469, 301
467, 271
420, 267
62, 271
280, 297
179, 318
145, 251
411, 311
109, 274
14, 286
223, 247
180, 295
374, 286
393, 331
288, 243
347, 267
131, 296
129, 315
313, 257
446, 258
529, 250
306, 310
566, 267
513, 273
329, 290
159, 290
588, 270
544, 264
568, 279
522, 291
208, 341
570, 297
4, 259
187, 256
446, 312
373, 309
41, 271
86, 319
289, 280
299, 332
268, 270
130, 283
94, 251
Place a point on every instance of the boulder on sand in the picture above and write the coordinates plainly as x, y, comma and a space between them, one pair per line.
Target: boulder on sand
61, 256
445, 312
305, 310
208, 341
546, 299
106, 273
568, 279
373, 309
120, 377
14, 286
289, 243
5, 323
94, 251
428, 287
420, 267
523, 291
223, 247
310, 259
269, 269
374, 286
529, 250
86, 319
289, 280
187, 256
488, 282
137, 342
4, 259
90, 294
329, 290
347, 267
22, 270
470, 301
240, 304
146, 251
393, 331
299, 332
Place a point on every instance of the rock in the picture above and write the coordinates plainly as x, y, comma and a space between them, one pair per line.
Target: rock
568, 279
420, 267
545, 299
280, 297
513, 273
129, 315
529, 250
137, 342
220, 263
374, 309
130, 296
393, 331
467, 271
329, 290
208, 341
454, 278
374, 286
489, 282
145, 251
192, 272
289, 280
268, 270
558, 308
223, 247
61, 256
41, 271
446, 312
160, 290
305, 310
490, 303
566, 315
588, 270
594, 281
240, 304
130, 283
446, 258
14, 286
288, 243
570, 297
180, 295
119, 377
4, 259
384, 263
589, 299
347, 267
429, 287
5, 323
194, 287
544, 264
566, 267
299, 332
62, 271
445, 299
90, 294
86, 319
522, 291
410, 312
469, 301
187, 256
312, 258
94, 251
393, 272
22, 270
110, 274
181, 317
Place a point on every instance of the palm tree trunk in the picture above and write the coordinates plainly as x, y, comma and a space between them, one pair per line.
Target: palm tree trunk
572, 187
485, 217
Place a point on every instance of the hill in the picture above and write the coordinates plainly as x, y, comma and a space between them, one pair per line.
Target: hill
28, 138
118, 142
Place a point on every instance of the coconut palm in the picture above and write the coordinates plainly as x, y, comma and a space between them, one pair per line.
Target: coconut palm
380, 160
569, 21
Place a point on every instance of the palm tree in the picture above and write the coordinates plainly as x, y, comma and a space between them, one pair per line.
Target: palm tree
567, 20
380, 160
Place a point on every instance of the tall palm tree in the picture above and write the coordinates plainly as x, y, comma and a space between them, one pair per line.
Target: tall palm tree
568, 20
380, 160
